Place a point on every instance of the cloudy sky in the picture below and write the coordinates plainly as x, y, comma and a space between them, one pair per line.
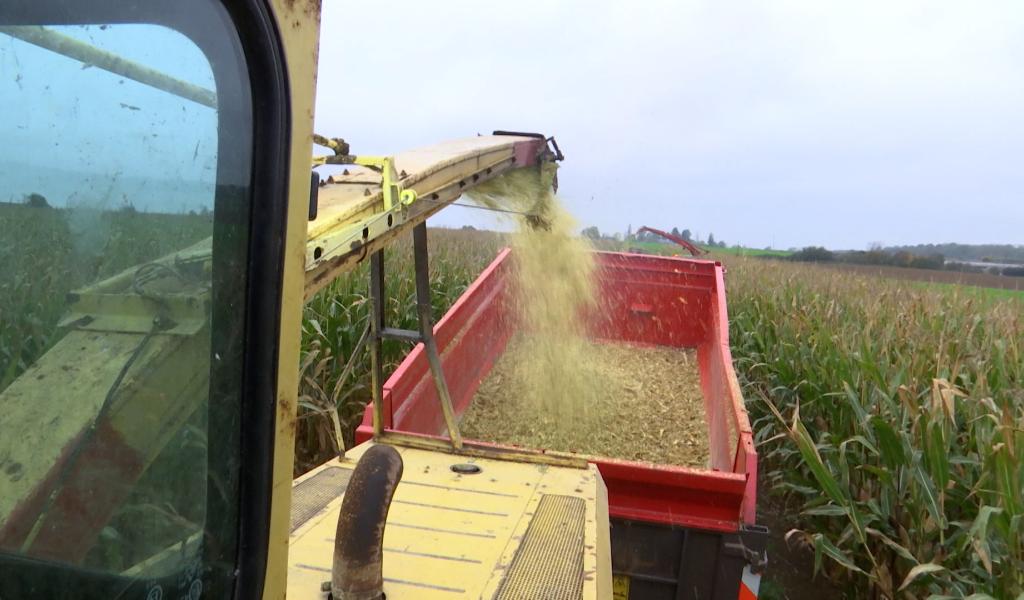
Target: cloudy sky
776, 123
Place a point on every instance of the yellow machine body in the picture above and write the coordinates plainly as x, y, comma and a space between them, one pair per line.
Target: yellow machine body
299, 27
511, 530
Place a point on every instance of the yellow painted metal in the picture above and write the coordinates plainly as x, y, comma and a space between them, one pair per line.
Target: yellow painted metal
391, 188
59, 390
141, 315
393, 193
474, 449
603, 572
350, 198
455, 536
352, 221
299, 26
129, 300
620, 587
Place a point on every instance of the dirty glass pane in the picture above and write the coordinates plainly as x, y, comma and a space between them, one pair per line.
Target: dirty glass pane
110, 180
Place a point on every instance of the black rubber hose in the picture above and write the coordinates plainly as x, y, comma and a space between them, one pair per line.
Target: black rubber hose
358, 570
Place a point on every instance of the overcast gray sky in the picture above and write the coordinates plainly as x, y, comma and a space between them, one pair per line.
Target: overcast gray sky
777, 123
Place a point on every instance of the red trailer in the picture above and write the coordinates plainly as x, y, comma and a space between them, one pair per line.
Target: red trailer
676, 531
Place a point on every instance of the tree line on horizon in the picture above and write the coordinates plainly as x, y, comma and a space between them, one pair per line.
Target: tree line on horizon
974, 252
900, 258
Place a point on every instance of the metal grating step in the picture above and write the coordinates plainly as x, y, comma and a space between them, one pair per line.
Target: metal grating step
310, 496
549, 563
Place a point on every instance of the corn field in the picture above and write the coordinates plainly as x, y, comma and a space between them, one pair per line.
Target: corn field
894, 414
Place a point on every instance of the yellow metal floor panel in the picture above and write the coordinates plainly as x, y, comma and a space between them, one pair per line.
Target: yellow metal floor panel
451, 536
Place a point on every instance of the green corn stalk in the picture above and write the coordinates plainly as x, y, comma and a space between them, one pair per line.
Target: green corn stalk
906, 447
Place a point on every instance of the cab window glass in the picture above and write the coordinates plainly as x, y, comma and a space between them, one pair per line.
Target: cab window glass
119, 234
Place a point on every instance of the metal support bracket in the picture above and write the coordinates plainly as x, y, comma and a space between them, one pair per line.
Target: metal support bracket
395, 198
376, 325
424, 308
751, 544
394, 194
379, 332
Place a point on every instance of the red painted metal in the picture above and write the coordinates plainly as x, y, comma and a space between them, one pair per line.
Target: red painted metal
90, 491
694, 249
643, 300
525, 153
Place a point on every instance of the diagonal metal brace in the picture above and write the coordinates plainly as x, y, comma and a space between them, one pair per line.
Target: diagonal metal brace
379, 332
424, 308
